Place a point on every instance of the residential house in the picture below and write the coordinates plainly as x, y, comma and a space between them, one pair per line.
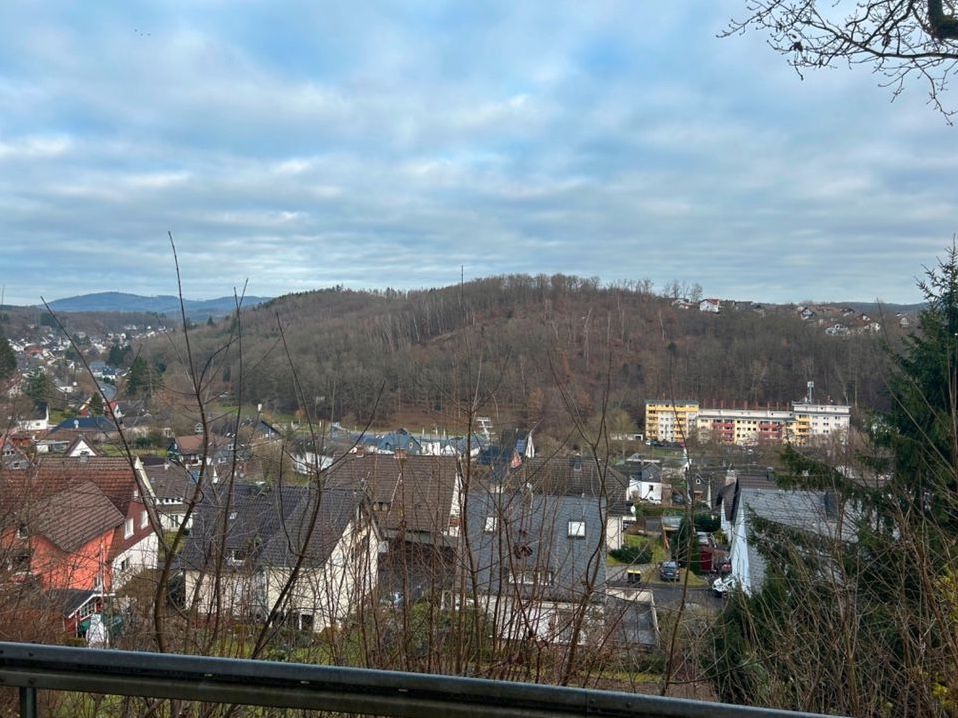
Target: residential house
645, 483
190, 449
134, 544
174, 487
811, 513
80, 447
37, 419
97, 429
265, 533
538, 562
417, 504
61, 538
583, 477
711, 306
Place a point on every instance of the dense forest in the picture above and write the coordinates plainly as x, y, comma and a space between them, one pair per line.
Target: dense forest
522, 343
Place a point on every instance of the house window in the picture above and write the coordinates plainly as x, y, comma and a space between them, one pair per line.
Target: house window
144, 519
306, 621
20, 561
238, 555
22, 531
128, 528
491, 524
576, 528
232, 515
531, 577
124, 564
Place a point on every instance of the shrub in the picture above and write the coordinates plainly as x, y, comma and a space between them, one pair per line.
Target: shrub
632, 554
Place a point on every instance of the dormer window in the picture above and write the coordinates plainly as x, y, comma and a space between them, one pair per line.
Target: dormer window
492, 523
576, 528
19, 561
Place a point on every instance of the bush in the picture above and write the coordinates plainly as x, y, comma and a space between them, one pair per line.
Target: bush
632, 554
707, 523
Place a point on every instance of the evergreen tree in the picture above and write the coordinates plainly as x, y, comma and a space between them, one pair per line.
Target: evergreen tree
117, 355
39, 386
96, 404
8, 360
876, 613
140, 380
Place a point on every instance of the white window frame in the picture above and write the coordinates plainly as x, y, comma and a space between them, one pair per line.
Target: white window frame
576, 528
492, 523
144, 519
128, 528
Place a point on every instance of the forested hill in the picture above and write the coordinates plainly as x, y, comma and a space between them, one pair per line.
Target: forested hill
523, 340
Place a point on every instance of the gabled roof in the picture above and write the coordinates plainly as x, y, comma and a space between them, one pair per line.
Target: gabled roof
111, 474
76, 444
570, 476
170, 480
417, 491
809, 512
70, 600
530, 533
270, 527
193, 443
72, 517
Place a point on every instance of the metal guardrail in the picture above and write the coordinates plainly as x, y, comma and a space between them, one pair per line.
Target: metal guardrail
326, 688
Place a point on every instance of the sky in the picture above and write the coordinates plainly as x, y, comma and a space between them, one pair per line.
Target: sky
299, 145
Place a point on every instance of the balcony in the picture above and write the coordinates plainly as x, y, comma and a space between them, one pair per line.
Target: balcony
34, 668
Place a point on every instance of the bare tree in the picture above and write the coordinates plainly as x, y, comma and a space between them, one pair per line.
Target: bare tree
900, 40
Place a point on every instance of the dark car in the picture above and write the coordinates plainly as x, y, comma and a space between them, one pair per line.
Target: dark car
669, 571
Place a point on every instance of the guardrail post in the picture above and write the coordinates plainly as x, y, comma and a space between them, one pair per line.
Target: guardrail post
28, 702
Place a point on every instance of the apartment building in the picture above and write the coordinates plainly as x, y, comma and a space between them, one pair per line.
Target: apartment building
818, 420
805, 421
743, 426
670, 421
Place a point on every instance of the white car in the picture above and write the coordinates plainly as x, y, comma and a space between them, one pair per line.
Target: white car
722, 586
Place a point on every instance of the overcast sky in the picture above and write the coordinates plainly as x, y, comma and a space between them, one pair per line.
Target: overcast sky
304, 144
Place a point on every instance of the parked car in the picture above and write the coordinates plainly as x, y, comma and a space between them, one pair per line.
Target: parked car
723, 586
669, 571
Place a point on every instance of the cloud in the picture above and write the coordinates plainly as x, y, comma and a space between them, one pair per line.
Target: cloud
305, 145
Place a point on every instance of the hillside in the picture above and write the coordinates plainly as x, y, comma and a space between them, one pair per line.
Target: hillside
527, 346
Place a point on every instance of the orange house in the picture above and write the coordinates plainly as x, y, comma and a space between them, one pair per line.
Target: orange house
64, 540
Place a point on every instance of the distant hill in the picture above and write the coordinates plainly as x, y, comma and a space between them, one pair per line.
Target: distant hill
164, 304
532, 346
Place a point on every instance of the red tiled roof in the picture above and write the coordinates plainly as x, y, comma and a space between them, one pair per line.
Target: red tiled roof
111, 474
74, 516
193, 443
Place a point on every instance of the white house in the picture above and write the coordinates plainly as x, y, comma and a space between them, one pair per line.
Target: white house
267, 528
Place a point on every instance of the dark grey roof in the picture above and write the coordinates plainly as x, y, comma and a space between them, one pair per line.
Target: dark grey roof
570, 476
531, 534
270, 527
810, 512
68, 600
170, 480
